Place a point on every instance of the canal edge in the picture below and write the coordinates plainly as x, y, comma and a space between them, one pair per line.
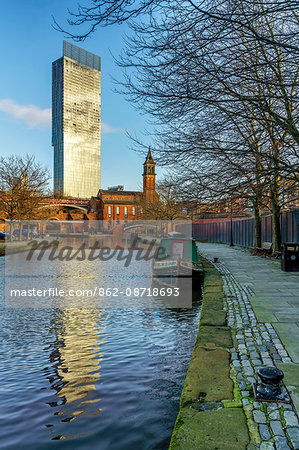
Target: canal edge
211, 414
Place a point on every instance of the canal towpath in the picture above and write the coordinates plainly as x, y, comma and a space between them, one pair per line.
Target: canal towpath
264, 309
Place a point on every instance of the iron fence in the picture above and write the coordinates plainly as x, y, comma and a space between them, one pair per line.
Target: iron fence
243, 230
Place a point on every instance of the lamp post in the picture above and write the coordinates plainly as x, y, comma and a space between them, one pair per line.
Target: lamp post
231, 221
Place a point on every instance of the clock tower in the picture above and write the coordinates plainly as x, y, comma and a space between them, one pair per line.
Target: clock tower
149, 177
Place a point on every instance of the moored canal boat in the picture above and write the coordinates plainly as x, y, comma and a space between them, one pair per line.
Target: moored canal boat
178, 257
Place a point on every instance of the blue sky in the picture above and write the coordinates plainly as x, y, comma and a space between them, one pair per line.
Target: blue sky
29, 44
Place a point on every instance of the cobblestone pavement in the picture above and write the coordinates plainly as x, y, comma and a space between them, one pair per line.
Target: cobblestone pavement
258, 345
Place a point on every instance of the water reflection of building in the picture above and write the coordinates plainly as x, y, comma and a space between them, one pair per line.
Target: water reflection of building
79, 358
76, 355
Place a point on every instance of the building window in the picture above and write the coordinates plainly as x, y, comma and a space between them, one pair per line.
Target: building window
109, 211
117, 210
133, 210
126, 211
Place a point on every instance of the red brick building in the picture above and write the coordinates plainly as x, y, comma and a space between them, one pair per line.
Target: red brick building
115, 205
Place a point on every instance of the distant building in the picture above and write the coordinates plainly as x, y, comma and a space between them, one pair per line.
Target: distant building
289, 195
76, 122
115, 204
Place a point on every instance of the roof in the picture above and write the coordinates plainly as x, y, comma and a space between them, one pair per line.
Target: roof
110, 201
82, 56
118, 193
149, 158
120, 200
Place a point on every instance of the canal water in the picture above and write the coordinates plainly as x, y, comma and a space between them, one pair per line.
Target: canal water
92, 378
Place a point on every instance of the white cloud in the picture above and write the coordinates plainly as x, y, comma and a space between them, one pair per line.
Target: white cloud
37, 117
106, 129
30, 114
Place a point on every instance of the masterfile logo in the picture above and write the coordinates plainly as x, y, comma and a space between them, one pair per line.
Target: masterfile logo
65, 266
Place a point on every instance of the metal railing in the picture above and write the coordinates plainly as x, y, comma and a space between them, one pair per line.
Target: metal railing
243, 230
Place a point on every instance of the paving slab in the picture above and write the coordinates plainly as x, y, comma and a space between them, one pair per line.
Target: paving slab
284, 317
291, 380
289, 335
202, 430
263, 315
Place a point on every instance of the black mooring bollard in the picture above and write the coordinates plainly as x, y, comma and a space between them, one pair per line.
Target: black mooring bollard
215, 260
270, 387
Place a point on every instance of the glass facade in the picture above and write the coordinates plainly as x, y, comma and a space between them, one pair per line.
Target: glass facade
76, 122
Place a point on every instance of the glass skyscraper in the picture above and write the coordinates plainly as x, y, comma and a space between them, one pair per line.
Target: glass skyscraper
76, 122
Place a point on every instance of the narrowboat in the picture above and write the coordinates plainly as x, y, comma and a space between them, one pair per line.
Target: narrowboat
177, 257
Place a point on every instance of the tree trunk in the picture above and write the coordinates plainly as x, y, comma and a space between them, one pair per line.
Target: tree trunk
275, 190
257, 227
276, 229
276, 222
10, 230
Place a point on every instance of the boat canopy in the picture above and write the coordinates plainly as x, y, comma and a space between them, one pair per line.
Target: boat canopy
178, 249
176, 234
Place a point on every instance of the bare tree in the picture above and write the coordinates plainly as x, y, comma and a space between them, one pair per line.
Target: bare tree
109, 12
23, 183
166, 204
221, 78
